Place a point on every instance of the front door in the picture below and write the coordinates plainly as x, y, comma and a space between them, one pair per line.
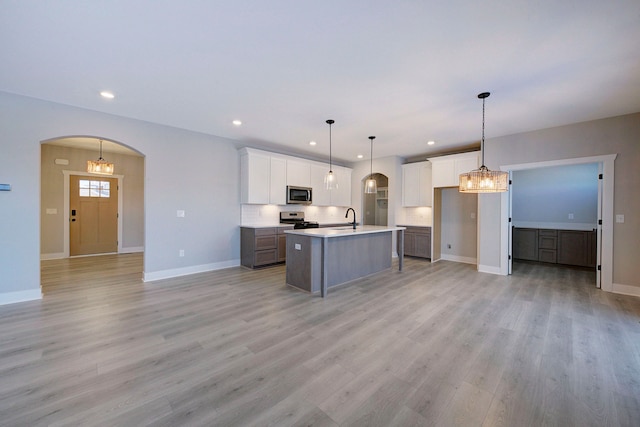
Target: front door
93, 226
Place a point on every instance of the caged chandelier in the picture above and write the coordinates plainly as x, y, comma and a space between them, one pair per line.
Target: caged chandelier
483, 180
100, 166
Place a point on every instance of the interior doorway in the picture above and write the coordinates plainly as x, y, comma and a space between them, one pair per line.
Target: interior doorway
375, 207
604, 225
108, 209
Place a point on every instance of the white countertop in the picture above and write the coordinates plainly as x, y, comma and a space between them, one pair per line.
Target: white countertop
342, 231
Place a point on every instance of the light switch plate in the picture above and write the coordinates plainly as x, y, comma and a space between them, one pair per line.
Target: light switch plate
180, 214
620, 219
298, 247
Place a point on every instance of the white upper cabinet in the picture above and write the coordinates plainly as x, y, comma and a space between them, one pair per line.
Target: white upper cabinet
321, 196
278, 181
341, 196
416, 184
298, 173
264, 178
446, 169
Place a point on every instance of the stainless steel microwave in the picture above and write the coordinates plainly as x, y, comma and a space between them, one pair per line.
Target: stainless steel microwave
299, 195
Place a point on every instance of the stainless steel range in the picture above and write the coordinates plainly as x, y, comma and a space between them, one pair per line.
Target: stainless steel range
297, 219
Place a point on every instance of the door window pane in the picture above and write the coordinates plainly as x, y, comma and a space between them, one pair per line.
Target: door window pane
91, 188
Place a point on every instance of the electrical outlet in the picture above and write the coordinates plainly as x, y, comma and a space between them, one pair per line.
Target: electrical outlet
570, 216
620, 219
298, 247
181, 252
180, 214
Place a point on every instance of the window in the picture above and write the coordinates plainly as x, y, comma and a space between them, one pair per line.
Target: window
90, 188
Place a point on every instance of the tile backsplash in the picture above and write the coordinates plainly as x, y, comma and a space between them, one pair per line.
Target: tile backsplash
415, 216
270, 214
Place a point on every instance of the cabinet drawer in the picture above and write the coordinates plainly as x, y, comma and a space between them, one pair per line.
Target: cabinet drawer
547, 255
268, 256
266, 242
547, 239
266, 231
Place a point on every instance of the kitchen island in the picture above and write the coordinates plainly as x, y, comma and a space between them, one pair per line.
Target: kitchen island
320, 258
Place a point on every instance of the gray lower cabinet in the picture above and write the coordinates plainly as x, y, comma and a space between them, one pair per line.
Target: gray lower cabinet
569, 247
262, 246
417, 242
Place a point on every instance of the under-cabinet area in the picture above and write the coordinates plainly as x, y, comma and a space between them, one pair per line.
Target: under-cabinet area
417, 241
569, 247
260, 246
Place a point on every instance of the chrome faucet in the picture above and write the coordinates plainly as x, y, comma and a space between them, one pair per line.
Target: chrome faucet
354, 217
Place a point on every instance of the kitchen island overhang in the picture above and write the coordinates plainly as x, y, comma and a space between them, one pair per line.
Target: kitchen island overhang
320, 258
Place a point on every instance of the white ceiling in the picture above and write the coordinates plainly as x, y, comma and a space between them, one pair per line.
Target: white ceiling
405, 71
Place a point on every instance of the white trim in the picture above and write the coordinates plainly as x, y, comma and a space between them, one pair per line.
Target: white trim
626, 289
606, 246
20, 296
490, 269
131, 250
55, 255
177, 272
67, 176
457, 258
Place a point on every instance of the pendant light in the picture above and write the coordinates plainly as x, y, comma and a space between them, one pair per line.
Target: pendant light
483, 180
330, 181
100, 166
370, 186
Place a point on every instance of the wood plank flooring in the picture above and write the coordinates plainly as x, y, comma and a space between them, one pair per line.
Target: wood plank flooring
434, 345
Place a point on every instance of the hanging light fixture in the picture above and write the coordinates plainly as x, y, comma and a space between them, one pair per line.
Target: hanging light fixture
370, 186
100, 166
483, 180
330, 181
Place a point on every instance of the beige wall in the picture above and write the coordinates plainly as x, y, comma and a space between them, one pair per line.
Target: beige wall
52, 195
617, 135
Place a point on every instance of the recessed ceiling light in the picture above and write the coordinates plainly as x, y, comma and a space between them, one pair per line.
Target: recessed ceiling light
430, 142
107, 94
312, 143
360, 156
236, 122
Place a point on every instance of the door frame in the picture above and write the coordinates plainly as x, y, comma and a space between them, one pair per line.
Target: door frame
605, 195
67, 178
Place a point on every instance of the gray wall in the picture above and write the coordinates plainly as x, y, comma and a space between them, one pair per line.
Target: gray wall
183, 170
546, 196
458, 227
52, 194
617, 135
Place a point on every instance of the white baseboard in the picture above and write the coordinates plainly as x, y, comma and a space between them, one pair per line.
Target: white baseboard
20, 296
177, 272
457, 258
490, 269
626, 289
55, 255
132, 250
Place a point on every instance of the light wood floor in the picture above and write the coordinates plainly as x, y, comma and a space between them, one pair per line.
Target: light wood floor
437, 344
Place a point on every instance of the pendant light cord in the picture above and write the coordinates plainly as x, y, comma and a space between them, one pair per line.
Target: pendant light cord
330, 122
483, 96
371, 158
482, 145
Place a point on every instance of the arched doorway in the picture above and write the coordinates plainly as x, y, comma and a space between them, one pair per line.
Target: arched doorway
64, 171
375, 207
